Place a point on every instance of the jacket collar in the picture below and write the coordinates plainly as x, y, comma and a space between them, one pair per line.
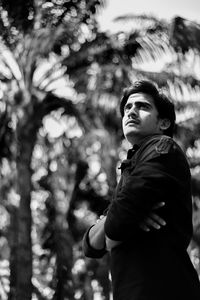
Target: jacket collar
130, 153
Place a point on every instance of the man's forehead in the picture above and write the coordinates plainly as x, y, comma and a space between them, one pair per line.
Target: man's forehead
140, 97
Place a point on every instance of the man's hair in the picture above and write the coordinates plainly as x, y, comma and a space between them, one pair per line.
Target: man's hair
163, 105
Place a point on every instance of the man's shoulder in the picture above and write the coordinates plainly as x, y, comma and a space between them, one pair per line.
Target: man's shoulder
157, 145
162, 144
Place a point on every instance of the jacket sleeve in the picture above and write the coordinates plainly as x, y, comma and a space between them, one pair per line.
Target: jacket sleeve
150, 182
88, 250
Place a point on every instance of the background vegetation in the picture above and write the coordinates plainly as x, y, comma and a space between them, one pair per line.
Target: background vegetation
60, 134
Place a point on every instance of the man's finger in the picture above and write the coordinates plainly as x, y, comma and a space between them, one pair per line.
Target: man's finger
157, 219
148, 222
158, 205
100, 218
144, 227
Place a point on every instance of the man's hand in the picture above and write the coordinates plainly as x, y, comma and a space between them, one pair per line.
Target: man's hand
109, 243
97, 234
153, 221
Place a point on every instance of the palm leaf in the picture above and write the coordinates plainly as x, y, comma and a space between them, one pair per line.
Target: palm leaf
185, 35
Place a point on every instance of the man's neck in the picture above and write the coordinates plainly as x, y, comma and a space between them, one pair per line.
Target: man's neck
139, 142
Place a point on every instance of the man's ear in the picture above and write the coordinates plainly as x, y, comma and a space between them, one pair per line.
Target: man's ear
164, 124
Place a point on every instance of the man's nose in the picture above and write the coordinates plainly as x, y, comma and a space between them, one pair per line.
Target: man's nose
133, 111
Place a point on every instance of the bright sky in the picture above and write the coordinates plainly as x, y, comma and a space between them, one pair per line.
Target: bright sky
189, 9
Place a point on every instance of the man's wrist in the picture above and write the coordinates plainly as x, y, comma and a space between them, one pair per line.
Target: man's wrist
97, 246
96, 235
89, 251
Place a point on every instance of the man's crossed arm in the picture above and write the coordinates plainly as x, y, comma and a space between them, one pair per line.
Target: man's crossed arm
98, 240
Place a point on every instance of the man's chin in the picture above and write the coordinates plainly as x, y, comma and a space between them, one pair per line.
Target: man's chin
131, 132
132, 136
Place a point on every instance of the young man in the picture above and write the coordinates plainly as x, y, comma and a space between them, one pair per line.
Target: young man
149, 259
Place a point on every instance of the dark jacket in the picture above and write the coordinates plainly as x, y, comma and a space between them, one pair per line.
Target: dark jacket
152, 265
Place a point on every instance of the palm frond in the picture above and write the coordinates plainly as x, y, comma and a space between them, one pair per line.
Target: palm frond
52, 102
183, 92
154, 52
47, 67
184, 35
132, 17
188, 117
162, 78
143, 23
10, 68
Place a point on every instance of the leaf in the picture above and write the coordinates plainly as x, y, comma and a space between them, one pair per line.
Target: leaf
185, 35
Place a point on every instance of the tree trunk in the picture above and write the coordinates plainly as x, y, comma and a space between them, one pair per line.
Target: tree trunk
88, 290
13, 251
26, 141
24, 255
64, 255
103, 277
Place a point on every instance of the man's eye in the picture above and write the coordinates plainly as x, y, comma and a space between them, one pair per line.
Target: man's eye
143, 106
127, 107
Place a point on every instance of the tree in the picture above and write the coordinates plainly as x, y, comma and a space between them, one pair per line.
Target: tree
35, 33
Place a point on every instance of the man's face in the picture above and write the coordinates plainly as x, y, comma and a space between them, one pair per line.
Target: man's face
140, 118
